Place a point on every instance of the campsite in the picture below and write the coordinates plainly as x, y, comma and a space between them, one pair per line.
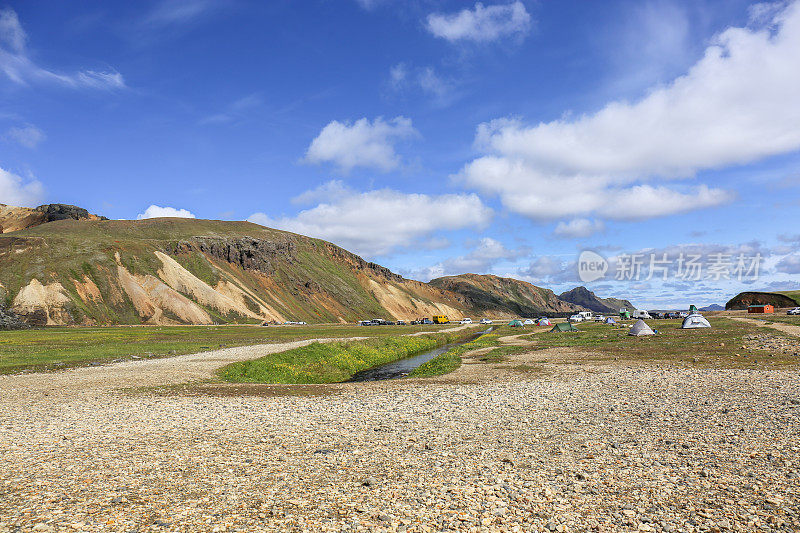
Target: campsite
287, 443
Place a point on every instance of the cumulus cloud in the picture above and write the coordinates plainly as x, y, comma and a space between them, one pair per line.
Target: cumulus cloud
16, 64
28, 136
548, 268
578, 228
736, 105
789, 264
361, 143
14, 190
481, 24
156, 211
486, 254
379, 222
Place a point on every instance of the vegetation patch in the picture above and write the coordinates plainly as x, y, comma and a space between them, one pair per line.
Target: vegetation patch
332, 362
451, 359
56, 348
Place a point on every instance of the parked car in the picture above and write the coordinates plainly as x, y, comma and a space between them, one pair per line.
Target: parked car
389, 323
485, 321
365, 322
794, 311
576, 318
466, 321
426, 321
401, 322
416, 322
599, 318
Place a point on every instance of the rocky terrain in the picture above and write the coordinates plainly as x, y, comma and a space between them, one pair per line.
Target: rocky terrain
567, 447
585, 298
14, 218
508, 296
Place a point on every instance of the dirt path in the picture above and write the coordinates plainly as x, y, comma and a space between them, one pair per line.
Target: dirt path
786, 328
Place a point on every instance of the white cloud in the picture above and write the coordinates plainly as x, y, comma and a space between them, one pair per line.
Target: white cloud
378, 222
360, 144
790, 264
738, 104
28, 136
14, 190
236, 110
578, 228
486, 254
370, 4
427, 80
156, 211
179, 11
19, 68
481, 24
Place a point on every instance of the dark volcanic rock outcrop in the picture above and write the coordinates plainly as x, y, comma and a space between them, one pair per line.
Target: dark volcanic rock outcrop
586, 298
745, 299
248, 253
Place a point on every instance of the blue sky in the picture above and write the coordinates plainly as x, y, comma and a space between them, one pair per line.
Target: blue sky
434, 137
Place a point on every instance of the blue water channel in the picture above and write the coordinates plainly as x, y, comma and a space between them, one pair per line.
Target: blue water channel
403, 367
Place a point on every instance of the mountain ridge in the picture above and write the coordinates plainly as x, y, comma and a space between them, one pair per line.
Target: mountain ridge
67, 266
588, 299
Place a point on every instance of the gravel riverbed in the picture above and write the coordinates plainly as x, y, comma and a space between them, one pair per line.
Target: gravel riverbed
573, 448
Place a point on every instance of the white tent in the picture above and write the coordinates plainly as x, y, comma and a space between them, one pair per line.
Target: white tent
529, 322
695, 320
610, 320
640, 328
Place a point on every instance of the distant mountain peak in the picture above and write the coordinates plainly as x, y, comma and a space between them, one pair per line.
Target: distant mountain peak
586, 298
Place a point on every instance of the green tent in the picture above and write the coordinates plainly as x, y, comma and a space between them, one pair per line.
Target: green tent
563, 326
515, 323
692, 309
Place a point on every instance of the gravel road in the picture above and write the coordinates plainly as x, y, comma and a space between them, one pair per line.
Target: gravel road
571, 447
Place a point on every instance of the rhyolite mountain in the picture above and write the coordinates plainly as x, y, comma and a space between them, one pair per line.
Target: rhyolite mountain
585, 298
484, 293
61, 265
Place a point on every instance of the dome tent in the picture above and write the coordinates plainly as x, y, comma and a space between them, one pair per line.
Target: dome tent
515, 323
561, 327
610, 320
695, 320
640, 329
544, 322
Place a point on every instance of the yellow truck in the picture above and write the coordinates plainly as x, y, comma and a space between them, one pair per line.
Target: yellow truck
440, 319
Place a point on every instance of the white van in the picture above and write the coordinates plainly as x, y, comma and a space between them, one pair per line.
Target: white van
587, 315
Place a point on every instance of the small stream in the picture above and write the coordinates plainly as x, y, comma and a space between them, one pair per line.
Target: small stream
403, 367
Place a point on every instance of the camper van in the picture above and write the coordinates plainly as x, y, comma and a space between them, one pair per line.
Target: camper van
639, 313
587, 315
440, 319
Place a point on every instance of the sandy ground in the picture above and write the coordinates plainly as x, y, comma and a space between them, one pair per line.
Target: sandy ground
561, 445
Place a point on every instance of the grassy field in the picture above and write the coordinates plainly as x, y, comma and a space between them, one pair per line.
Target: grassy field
721, 345
333, 362
58, 348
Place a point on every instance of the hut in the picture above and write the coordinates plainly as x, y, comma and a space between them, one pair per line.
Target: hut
761, 308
